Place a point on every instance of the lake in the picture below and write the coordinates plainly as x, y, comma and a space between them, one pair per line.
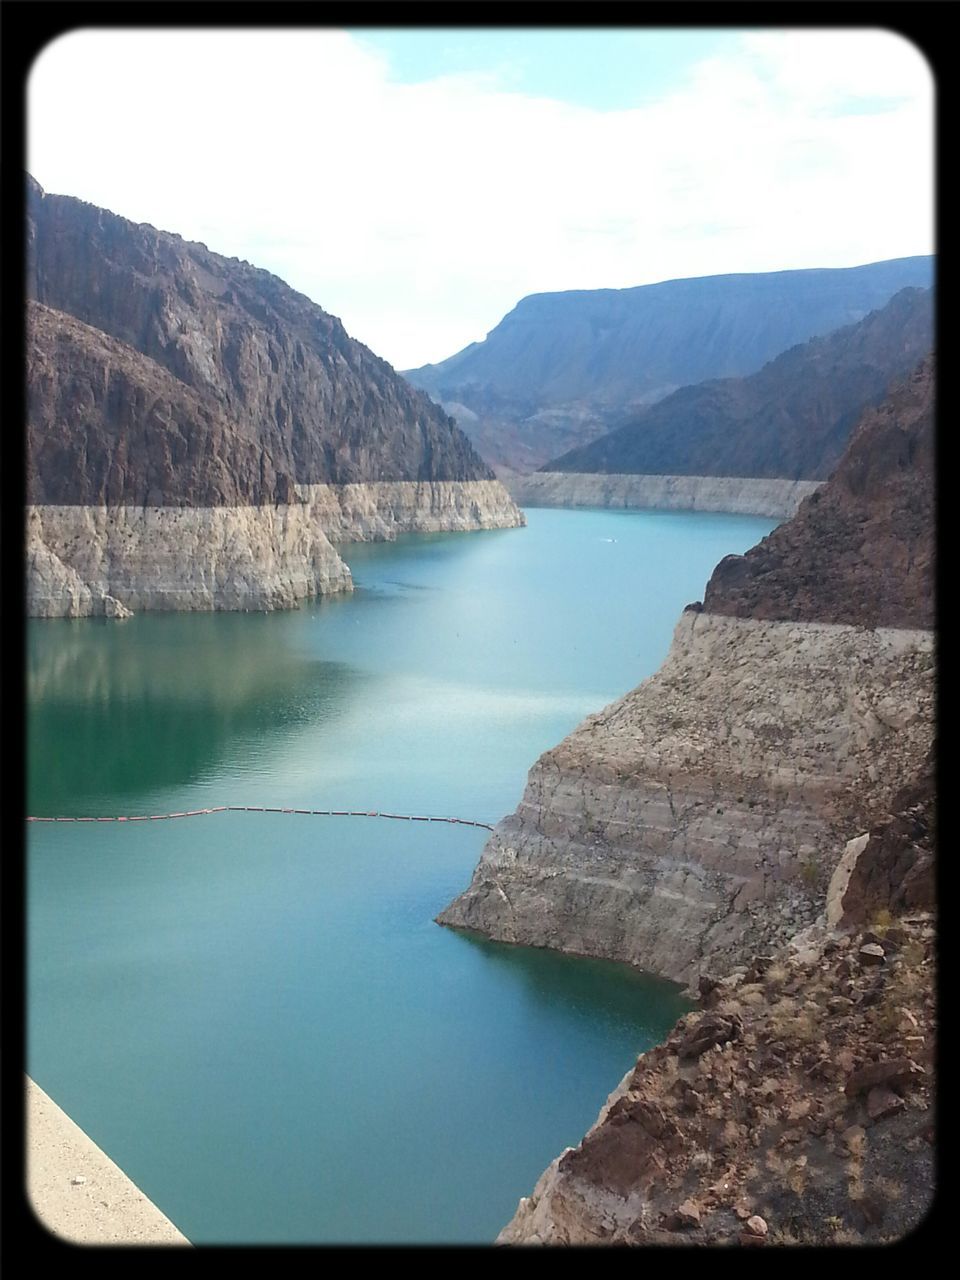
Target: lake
255, 1015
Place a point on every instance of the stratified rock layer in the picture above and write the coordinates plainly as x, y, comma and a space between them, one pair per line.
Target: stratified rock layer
698, 818
778, 499
198, 432
87, 561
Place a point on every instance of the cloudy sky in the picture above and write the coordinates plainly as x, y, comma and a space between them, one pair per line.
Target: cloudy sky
418, 183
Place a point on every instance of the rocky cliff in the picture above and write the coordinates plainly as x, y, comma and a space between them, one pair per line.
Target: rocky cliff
728, 824
791, 420
700, 813
197, 430
798, 1108
734, 494
860, 551
564, 368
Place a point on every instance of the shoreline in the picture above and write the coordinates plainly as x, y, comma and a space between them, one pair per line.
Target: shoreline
76, 1191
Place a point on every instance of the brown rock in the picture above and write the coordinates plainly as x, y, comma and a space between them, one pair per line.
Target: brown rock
684, 1217
871, 953
891, 1072
817, 567
883, 1102
754, 1231
712, 1029
196, 357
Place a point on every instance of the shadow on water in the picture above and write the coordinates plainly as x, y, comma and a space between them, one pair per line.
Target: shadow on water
612, 993
117, 710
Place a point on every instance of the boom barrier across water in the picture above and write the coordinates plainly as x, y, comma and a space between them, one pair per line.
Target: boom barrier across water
259, 808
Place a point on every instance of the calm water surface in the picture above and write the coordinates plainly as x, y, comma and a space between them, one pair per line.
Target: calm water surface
255, 1015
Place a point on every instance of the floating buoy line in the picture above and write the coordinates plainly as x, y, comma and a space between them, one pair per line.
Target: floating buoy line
259, 808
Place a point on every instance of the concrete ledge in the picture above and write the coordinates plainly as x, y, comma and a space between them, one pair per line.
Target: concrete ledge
77, 1192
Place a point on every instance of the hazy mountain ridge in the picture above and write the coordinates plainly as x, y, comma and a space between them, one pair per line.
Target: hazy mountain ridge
791, 420
573, 359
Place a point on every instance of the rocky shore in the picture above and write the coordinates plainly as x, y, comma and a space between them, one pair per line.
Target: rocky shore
797, 1108
739, 495
734, 823
85, 561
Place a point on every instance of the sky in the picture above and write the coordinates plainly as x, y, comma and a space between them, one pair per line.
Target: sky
417, 183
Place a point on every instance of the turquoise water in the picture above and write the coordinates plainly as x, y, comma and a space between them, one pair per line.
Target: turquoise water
255, 1015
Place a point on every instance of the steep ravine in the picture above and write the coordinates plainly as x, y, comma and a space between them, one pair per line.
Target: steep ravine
695, 827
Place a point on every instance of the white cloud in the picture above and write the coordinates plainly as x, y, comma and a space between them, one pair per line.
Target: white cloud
420, 213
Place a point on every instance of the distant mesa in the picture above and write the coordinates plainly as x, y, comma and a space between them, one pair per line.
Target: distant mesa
562, 369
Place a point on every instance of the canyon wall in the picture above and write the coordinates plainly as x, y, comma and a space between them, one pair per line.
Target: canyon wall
697, 819
758, 820
700, 815
198, 434
778, 499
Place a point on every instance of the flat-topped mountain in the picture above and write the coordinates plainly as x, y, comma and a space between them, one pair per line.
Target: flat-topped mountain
198, 432
791, 420
562, 368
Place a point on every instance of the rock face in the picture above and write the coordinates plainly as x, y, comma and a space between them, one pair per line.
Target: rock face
776, 498
861, 550
702, 827
891, 868
548, 377
792, 420
812, 1124
698, 818
701, 815
198, 431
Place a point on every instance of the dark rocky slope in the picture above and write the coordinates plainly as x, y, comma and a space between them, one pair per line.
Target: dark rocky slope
791, 420
563, 368
321, 407
107, 426
860, 550
798, 1109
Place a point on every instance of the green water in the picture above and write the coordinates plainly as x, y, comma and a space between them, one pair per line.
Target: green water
255, 1015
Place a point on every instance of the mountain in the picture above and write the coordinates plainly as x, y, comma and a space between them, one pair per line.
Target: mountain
162, 378
790, 421
860, 551
563, 368
757, 821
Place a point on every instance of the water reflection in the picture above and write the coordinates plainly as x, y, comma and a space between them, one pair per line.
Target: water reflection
563, 985
118, 710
